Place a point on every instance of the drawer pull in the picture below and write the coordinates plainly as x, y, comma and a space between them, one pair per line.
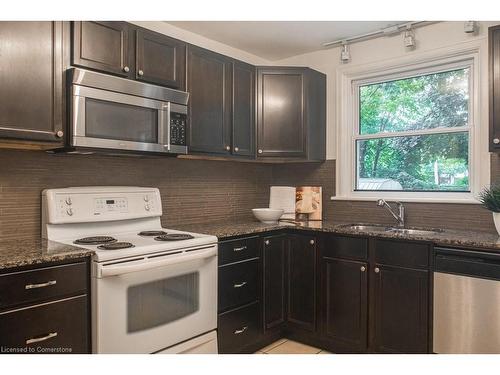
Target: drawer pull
240, 248
240, 331
240, 284
42, 338
42, 285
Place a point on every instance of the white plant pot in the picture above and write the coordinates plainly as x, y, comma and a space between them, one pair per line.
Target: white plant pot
496, 220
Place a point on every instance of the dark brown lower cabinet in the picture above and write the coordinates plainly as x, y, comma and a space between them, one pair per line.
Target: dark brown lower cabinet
274, 281
401, 309
301, 282
346, 304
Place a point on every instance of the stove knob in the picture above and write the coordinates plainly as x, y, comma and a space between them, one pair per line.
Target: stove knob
69, 211
147, 207
68, 201
146, 198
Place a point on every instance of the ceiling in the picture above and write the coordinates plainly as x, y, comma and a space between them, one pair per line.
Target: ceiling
276, 40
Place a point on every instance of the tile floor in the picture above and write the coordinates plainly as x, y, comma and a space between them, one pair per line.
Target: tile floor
285, 346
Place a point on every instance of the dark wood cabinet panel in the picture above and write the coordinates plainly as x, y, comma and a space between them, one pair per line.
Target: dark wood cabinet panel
401, 309
494, 87
345, 303
160, 59
238, 284
32, 58
238, 250
60, 324
240, 329
209, 82
301, 282
243, 121
274, 281
103, 46
280, 116
402, 253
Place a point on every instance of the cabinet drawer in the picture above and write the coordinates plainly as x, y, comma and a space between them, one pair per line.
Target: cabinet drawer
346, 247
20, 288
60, 327
239, 328
236, 250
402, 253
238, 284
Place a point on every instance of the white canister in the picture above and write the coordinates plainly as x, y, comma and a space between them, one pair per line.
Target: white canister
496, 220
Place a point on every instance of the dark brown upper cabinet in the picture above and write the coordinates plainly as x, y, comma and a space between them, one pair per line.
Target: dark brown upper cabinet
160, 60
103, 46
32, 57
209, 83
494, 94
291, 113
301, 282
243, 120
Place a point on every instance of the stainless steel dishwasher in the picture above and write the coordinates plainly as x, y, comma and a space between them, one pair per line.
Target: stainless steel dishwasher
466, 302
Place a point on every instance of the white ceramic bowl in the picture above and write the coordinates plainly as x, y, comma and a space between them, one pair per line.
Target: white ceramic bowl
268, 215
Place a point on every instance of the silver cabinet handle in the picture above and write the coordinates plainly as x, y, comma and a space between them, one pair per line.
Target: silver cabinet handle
236, 149
377, 270
228, 148
311, 242
43, 338
496, 141
126, 69
363, 268
42, 285
59, 134
240, 248
240, 284
240, 331
260, 151
266, 242
140, 72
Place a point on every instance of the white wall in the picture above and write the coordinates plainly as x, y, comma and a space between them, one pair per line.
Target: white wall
196, 39
428, 38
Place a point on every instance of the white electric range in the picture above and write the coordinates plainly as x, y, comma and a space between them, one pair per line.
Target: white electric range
154, 290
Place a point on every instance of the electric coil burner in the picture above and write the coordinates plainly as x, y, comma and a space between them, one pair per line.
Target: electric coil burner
152, 233
173, 237
94, 240
115, 246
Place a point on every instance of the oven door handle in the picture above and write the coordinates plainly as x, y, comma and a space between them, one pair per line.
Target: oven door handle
167, 260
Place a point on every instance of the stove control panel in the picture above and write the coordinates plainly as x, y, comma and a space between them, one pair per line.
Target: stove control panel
74, 205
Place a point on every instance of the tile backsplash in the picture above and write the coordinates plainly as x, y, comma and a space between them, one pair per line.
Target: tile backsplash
192, 190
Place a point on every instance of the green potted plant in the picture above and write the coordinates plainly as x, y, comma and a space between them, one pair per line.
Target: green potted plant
490, 199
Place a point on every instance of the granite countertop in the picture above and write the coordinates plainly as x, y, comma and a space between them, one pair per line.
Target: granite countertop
224, 230
18, 253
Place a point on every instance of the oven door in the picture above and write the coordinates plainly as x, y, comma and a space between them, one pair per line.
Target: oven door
111, 120
146, 305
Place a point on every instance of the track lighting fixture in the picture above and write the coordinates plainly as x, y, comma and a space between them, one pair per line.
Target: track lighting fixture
345, 53
409, 38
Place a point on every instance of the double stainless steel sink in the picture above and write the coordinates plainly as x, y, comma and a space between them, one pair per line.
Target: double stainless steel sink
389, 229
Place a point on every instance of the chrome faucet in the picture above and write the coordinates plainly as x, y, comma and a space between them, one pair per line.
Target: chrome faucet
399, 217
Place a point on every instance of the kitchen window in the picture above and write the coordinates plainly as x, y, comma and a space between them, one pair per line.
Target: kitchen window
411, 131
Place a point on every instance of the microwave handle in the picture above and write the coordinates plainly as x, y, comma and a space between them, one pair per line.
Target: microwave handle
121, 269
164, 135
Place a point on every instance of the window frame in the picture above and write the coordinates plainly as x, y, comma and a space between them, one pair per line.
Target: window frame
349, 79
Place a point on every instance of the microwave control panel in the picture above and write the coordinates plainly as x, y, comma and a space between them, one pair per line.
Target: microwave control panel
178, 128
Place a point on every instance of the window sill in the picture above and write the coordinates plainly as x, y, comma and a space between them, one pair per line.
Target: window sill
461, 200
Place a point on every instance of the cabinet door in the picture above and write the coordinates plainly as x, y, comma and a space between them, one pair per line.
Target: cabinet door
494, 74
209, 82
243, 109
401, 305
345, 303
274, 281
31, 80
280, 118
102, 46
160, 59
301, 282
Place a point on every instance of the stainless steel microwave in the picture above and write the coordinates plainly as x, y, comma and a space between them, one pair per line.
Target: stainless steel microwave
117, 114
